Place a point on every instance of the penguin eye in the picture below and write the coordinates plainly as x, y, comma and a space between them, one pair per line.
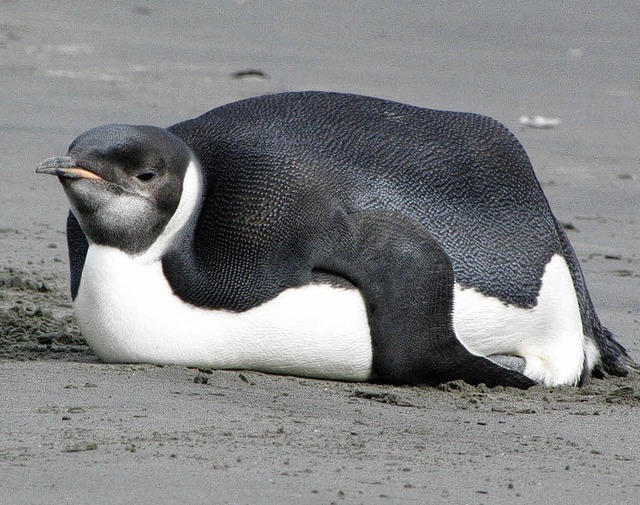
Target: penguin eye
146, 176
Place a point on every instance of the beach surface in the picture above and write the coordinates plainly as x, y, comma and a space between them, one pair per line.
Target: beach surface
74, 430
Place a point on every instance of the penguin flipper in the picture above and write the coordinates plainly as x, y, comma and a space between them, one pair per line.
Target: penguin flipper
407, 282
78, 246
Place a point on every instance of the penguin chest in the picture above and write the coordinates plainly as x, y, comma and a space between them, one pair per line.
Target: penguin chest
127, 312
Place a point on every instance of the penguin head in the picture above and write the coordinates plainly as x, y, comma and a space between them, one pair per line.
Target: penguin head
124, 183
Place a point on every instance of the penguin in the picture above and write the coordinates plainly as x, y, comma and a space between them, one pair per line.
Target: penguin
327, 235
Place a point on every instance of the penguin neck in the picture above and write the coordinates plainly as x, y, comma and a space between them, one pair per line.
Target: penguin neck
194, 262
184, 218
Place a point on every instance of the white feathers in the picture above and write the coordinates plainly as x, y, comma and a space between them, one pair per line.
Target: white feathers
128, 313
548, 336
190, 201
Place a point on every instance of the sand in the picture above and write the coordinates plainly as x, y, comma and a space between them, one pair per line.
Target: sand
73, 430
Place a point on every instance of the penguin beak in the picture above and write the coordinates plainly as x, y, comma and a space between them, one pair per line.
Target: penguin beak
64, 166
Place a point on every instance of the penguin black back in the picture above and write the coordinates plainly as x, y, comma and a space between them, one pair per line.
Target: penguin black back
326, 154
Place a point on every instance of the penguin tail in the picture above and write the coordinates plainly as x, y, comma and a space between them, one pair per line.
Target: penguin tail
614, 358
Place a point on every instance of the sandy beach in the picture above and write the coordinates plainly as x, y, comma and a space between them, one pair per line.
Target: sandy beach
74, 430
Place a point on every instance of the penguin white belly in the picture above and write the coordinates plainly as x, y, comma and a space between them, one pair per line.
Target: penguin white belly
548, 336
128, 313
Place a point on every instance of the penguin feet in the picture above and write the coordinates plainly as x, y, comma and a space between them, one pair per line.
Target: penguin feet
515, 363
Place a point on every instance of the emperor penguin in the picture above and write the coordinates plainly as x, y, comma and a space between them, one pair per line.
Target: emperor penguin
327, 235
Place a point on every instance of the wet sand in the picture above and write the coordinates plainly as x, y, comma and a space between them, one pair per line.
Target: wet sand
78, 431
